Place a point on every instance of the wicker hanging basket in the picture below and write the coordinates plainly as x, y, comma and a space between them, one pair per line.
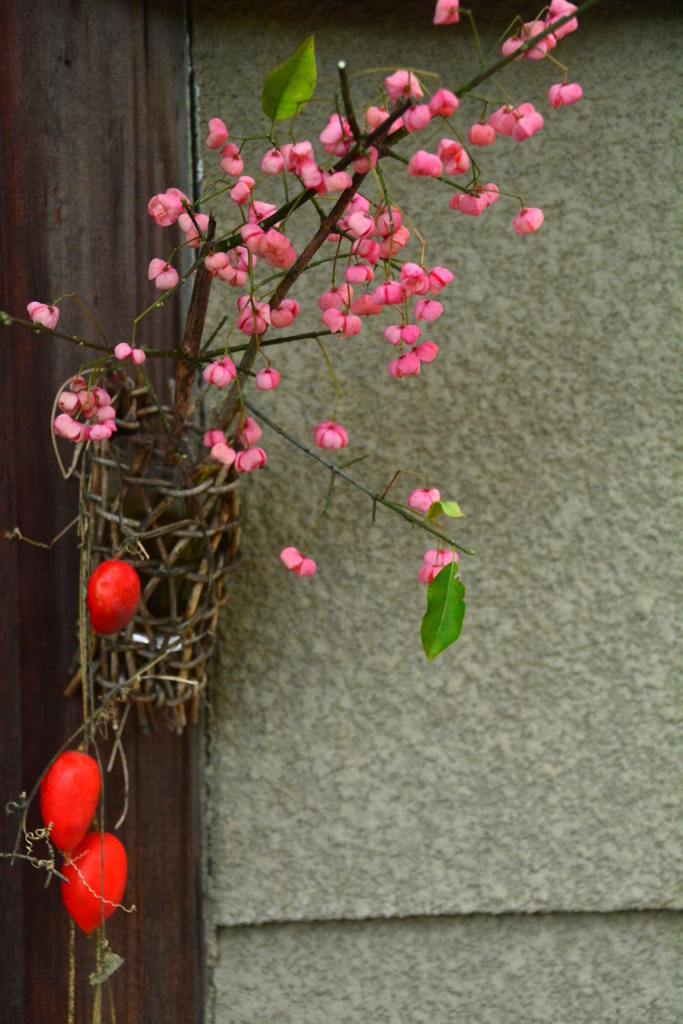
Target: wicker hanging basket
179, 528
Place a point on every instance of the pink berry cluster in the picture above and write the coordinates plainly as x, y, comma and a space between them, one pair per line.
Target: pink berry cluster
93, 404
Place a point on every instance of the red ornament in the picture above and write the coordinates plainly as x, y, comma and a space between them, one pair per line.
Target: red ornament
113, 595
84, 897
68, 797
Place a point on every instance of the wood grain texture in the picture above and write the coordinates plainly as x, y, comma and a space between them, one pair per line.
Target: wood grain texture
93, 121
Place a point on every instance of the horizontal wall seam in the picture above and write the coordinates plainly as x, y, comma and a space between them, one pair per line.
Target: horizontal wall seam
522, 914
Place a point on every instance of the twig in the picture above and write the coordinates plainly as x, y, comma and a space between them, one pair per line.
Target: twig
346, 96
338, 471
39, 328
16, 534
37, 863
192, 339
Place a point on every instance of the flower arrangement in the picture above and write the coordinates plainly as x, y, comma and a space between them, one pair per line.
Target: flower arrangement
158, 514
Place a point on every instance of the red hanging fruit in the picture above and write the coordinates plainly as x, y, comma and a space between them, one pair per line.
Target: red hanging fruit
68, 797
113, 595
83, 895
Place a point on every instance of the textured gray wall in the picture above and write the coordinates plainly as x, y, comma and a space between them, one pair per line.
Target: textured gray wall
534, 766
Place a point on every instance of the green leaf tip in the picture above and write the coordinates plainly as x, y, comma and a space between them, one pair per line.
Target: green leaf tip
442, 622
290, 86
449, 508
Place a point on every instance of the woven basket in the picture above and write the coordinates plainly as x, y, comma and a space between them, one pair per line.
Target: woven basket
179, 528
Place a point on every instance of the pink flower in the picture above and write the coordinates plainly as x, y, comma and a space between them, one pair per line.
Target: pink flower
392, 243
560, 9
68, 402
426, 352
258, 211
402, 83
375, 116
284, 316
563, 94
364, 306
241, 190
359, 225
387, 221
218, 134
235, 269
267, 379
527, 220
222, 452
163, 275
297, 155
503, 120
248, 431
407, 365
422, 499
367, 248
272, 162
414, 279
388, 294
527, 125
489, 192
434, 562
424, 164
276, 249
124, 351
311, 175
443, 103
250, 459
335, 298
166, 207
344, 323
428, 309
446, 12
295, 561
106, 413
100, 431
253, 317
337, 182
330, 435
439, 277
221, 372
216, 261
192, 239
366, 161
454, 157
472, 205
336, 137
481, 135
417, 118
212, 437
530, 30
409, 333
358, 273
231, 161
68, 428
42, 314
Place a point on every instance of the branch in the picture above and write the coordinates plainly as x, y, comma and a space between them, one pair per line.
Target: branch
39, 328
376, 498
186, 367
529, 45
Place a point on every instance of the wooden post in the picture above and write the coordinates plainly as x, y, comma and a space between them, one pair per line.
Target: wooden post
93, 121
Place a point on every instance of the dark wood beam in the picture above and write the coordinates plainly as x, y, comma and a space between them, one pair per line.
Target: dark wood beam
93, 121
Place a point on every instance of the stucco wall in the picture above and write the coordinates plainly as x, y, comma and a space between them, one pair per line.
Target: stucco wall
532, 768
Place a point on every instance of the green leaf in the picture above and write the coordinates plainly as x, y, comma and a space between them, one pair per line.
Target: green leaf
443, 619
449, 508
289, 87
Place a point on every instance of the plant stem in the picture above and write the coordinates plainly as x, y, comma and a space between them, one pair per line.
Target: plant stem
376, 498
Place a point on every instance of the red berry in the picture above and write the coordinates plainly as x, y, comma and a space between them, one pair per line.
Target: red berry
113, 595
68, 797
84, 896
